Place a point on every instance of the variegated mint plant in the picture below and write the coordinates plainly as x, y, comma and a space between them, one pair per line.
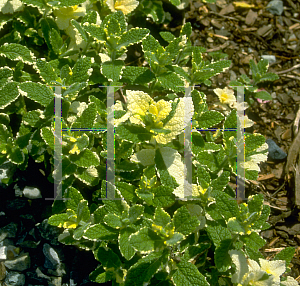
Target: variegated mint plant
152, 233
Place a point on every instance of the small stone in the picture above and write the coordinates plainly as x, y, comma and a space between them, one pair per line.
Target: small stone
216, 24
264, 30
221, 3
275, 7
232, 75
270, 58
227, 10
283, 234
20, 263
32, 193
15, 279
251, 18
275, 153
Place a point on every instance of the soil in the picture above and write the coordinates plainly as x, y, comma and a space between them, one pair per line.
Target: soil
246, 33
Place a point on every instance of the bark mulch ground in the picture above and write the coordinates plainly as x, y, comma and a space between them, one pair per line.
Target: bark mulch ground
247, 30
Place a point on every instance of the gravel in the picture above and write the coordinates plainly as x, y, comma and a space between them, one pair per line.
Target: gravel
30, 253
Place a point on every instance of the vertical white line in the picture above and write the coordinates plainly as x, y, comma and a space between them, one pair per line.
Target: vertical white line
187, 143
110, 139
240, 138
57, 174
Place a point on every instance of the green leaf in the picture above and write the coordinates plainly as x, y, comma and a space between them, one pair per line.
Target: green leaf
203, 177
6, 73
167, 36
89, 17
75, 198
269, 77
99, 214
161, 218
264, 95
253, 241
46, 71
184, 223
65, 3
133, 36
186, 29
175, 239
176, 47
145, 240
209, 119
137, 75
187, 274
194, 250
74, 89
209, 160
127, 191
255, 203
80, 29
37, 92
221, 181
217, 233
286, 254
230, 123
8, 94
83, 212
112, 69
124, 149
235, 226
197, 57
55, 40
99, 276
86, 159
112, 206
79, 231
222, 258
163, 196
46, 25
58, 219
88, 117
143, 270
262, 66
175, 2
68, 53
245, 79
227, 206
261, 223
113, 221
17, 52
150, 44
4, 119
100, 232
48, 136
199, 100
254, 255
153, 9
107, 257
110, 20
135, 212
125, 248
171, 81
95, 31
253, 141
133, 133
15, 155
164, 174
180, 72
82, 70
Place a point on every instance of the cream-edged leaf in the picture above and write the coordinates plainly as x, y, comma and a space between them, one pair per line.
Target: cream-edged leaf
126, 6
